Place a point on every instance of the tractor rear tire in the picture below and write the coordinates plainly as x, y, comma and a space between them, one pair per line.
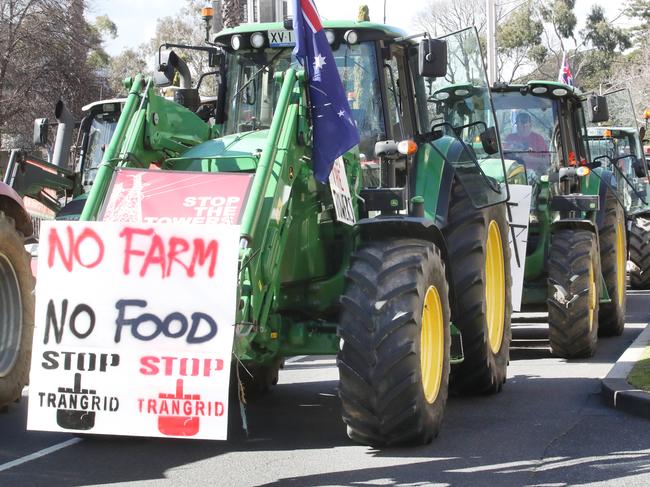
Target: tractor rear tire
613, 261
16, 312
476, 240
640, 253
573, 293
395, 343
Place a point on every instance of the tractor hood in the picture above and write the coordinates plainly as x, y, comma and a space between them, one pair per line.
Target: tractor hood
231, 153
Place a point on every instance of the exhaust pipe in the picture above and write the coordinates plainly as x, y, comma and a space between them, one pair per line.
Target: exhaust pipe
63, 142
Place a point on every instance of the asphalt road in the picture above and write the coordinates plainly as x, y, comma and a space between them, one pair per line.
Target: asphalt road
547, 428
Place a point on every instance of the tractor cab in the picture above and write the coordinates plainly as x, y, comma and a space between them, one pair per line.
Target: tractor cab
617, 147
543, 126
391, 100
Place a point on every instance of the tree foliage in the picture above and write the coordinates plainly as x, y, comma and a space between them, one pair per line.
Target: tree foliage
44, 56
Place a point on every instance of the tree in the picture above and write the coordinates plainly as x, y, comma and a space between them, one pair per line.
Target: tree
126, 64
44, 49
519, 41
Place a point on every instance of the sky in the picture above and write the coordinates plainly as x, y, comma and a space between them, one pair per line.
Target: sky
136, 19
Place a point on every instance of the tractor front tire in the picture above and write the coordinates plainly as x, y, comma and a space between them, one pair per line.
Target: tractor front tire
613, 260
479, 255
573, 293
640, 253
395, 343
16, 312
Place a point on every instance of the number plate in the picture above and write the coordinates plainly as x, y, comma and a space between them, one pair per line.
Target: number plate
281, 38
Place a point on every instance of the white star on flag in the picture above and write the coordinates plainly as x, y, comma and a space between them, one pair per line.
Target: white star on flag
341, 113
319, 62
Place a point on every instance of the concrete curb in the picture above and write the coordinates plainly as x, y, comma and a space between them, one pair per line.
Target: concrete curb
615, 390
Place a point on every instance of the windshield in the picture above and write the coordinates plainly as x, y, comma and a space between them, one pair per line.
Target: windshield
99, 136
529, 131
620, 146
459, 107
251, 92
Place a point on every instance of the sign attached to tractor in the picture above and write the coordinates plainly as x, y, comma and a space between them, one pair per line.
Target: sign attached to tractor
520, 197
341, 193
134, 329
147, 196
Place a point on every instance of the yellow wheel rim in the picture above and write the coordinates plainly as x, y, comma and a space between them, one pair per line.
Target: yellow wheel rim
432, 344
592, 295
621, 262
495, 287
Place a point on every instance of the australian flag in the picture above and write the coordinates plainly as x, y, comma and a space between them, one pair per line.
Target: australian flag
334, 129
565, 75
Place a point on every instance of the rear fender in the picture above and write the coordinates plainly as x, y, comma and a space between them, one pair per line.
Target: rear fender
574, 224
400, 226
12, 205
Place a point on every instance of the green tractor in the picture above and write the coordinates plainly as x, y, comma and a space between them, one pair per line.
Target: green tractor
618, 147
576, 249
411, 287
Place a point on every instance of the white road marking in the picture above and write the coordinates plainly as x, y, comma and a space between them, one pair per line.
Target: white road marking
39, 454
295, 359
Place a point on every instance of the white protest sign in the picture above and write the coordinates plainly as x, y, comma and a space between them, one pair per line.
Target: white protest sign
519, 210
134, 329
341, 193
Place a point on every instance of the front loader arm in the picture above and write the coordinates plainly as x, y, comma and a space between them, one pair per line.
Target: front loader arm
150, 129
267, 215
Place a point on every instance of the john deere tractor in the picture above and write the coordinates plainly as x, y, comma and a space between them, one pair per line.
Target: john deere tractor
617, 146
576, 249
411, 289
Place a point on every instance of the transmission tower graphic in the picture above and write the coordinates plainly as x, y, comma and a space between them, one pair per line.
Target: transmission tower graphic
125, 205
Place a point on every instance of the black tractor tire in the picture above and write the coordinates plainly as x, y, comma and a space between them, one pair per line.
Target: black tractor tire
383, 324
640, 253
613, 260
16, 312
573, 293
484, 368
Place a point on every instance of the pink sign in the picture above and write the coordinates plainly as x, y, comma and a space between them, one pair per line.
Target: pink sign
139, 195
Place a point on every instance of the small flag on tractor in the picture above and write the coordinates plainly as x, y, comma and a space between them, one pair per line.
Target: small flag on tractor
565, 75
334, 129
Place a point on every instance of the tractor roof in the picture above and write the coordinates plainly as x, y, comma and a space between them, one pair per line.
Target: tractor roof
530, 85
387, 31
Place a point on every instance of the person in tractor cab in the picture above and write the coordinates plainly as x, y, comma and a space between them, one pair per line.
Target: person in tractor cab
529, 145
524, 138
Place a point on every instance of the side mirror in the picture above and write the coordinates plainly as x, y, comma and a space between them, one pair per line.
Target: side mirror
489, 140
164, 74
40, 131
215, 58
597, 162
597, 106
432, 58
638, 168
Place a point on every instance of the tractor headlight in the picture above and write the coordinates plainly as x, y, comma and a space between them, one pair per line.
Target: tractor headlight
329, 35
235, 42
257, 40
351, 37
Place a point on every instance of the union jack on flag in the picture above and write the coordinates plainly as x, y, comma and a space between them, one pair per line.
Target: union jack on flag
565, 75
334, 129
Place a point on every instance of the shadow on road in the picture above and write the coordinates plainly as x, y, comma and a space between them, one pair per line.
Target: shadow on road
537, 431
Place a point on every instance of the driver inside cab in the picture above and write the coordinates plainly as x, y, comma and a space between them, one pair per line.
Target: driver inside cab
524, 138
528, 146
